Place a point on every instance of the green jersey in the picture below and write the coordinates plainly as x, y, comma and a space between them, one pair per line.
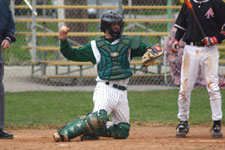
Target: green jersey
111, 57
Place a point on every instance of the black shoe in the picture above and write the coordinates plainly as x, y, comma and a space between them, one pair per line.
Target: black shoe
5, 135
182, 129
217, 132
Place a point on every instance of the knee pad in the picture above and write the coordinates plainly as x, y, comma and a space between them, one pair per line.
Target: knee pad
120, 131
96, 120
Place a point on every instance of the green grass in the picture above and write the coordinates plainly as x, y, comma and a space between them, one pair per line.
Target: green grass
51, 109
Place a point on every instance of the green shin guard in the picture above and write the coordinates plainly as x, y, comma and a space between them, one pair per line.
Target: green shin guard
85, 125
120, 131
73, 129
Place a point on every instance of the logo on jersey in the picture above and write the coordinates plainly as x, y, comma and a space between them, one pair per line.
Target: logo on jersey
209, 13
114, 54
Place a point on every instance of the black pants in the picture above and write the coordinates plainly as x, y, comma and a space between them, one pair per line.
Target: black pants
2, 93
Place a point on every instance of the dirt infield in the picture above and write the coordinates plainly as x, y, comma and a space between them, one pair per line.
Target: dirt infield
151, 137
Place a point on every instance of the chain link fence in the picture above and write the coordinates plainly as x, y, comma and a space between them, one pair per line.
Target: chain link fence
35, 57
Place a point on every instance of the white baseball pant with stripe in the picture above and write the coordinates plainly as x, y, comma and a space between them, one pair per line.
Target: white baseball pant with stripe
113, 100
207, 58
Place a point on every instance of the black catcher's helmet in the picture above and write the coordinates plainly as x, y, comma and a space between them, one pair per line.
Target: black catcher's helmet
112, 17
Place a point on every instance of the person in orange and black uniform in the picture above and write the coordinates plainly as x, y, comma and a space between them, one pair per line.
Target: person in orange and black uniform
200, 51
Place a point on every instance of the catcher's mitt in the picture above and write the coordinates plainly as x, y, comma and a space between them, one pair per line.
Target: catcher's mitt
151, 54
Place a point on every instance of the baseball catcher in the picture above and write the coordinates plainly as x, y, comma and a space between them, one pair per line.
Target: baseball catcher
111, 54
151, 54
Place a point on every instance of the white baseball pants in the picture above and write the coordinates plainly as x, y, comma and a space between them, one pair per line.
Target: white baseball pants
207, 58
113, 100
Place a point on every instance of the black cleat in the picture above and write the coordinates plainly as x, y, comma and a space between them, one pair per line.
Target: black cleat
5, 135
182, 129
217, 132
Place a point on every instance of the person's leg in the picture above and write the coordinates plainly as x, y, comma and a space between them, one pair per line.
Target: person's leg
81, 126
103, 102
3, 133
119, 127
210, 68
120, 118
2, 97
189, 72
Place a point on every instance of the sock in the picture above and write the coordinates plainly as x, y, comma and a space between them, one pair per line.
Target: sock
183, 122
216, 123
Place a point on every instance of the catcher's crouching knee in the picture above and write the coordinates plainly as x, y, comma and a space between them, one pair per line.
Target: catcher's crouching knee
121, 131
96, 120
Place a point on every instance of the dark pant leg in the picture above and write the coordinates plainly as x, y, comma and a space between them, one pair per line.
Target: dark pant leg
2, 96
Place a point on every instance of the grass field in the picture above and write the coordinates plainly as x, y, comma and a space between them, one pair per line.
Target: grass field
51, 109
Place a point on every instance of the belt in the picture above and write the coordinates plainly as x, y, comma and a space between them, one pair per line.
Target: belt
196, 43
123, 88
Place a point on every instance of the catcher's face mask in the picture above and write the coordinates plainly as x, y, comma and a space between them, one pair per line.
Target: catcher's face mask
113, 23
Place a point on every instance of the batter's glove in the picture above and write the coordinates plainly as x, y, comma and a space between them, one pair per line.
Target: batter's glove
210, 41
151, 54
175, 46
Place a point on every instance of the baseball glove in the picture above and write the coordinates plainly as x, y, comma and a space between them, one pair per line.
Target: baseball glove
151, 54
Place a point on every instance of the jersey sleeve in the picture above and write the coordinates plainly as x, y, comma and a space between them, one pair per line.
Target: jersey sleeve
221, 11
180, 22
10, 30
82, 54
179, 34
221, 36
140, 51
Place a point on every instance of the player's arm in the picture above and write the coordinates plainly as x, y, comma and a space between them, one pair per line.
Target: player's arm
220, 36
8, 33
149, 53
180, 24
82, 54
140, 48
175, 44
10, 30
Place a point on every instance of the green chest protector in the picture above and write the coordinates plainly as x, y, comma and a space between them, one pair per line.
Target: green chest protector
115, 64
